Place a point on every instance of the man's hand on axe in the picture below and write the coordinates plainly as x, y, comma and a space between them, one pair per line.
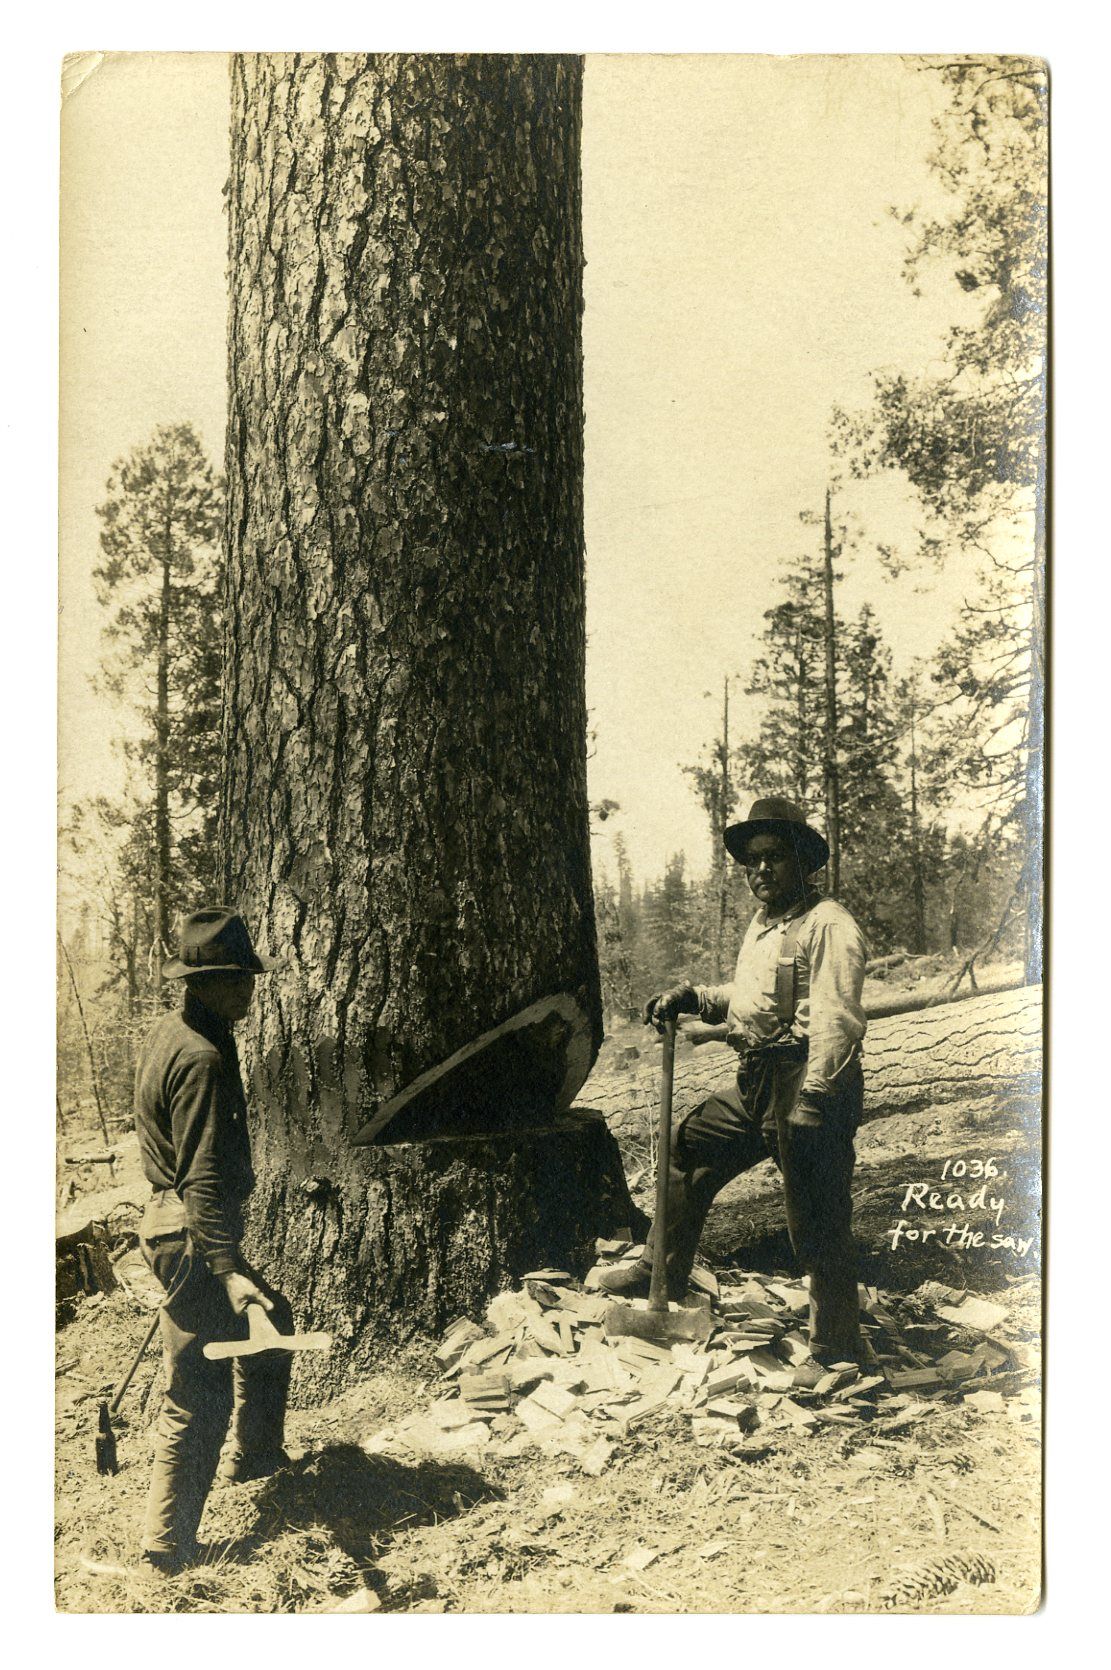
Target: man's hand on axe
666, 1006
242, 1291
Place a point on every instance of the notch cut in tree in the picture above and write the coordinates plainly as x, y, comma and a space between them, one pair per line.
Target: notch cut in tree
405, 815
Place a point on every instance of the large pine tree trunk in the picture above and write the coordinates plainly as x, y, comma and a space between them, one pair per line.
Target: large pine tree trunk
405, 814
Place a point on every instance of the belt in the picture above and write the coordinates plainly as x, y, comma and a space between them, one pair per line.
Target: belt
787, 1049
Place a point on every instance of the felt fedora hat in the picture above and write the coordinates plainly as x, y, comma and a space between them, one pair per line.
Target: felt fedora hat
778, 817
215, 941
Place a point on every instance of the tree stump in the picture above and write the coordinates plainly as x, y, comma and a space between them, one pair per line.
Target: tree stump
399, 1240
83, 1262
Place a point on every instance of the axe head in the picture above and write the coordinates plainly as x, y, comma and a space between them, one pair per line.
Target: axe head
263, 1336
678, 1324
107, 1460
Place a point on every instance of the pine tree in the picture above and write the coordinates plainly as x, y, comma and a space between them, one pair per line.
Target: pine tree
828, 727
920, 832
786, 755
405, 811
160, 579
972, 441
614, 962
718, 793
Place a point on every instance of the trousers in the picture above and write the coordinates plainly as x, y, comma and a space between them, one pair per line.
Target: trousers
734, 1130
203, 1399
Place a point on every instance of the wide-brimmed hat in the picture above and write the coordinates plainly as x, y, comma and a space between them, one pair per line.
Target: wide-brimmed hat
215, 941
779, 817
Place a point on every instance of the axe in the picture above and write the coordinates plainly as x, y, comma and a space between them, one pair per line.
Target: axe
263, 1336
107, 1460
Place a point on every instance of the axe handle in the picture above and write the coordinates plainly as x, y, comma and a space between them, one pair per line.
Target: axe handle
657, 1291
117, 1395
217, 1350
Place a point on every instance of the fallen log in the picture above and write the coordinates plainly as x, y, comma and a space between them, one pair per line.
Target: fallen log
954, 1050
907, 1003
926, 1053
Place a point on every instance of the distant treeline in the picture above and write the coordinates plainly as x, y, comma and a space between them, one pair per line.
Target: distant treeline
651, 933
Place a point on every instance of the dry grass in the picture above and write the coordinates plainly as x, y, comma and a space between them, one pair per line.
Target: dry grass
821, 1524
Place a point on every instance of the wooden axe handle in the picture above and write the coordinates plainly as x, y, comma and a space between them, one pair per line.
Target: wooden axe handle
117, 1395
263, 1336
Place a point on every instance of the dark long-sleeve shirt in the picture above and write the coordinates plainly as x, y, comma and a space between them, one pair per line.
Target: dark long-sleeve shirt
191, 1119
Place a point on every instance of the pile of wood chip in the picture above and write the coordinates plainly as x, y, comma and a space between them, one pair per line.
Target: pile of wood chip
543, 1375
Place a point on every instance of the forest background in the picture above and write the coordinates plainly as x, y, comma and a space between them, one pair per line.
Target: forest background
815, 391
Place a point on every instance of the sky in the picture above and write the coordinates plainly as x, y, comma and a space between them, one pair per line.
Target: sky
743, 274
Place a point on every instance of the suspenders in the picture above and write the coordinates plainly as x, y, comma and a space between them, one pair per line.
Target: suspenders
787, 976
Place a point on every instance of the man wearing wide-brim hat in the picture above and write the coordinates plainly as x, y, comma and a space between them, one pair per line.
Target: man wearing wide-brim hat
191, 1119
793, 1014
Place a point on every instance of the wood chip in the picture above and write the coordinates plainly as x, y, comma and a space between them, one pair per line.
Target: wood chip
508, 1311
973, 1312
796, 1299
363, 1600
423, 1435
724, 1380
639, 1351
696, 1363
795, 1349
457, 1338
782, 1381
545, 1336
595, 1459
985, 1403
536, 1419
704, 1281
529, 1371
555, 1399
639, 1559
556, 1498
449, 1414
632, 1414
487, 1350
763, 1362
915, 1379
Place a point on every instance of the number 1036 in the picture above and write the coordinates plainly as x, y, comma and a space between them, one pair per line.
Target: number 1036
969, 1168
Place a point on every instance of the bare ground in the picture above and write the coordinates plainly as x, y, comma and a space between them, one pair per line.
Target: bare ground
821, 1523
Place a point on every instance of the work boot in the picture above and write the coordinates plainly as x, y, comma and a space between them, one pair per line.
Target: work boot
157, 1562
237, 1468
828, 1357
632, 1281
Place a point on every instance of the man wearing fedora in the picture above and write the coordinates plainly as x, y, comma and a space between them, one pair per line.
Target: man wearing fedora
794, 1016
190, 1115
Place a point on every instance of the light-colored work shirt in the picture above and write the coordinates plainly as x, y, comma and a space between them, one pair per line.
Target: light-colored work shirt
830, 953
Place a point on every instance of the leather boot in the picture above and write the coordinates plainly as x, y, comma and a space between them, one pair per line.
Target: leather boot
632, 1281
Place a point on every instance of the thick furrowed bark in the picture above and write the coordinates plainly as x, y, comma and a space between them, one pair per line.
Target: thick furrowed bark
404, 1239
405, 814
